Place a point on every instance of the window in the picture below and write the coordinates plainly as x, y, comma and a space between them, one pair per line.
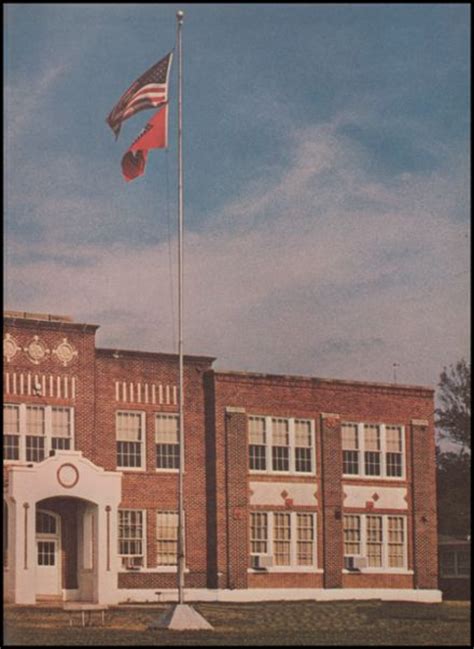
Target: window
45, 523
372, 450
304, 539
379, 541
131, 537
257, 444
374, 541
46, 553
278, 444
455, 563
393, 448
167, 441
167, 538
281, 539
396, 541
129, 429
303, 446
258, 533
31, 432
351, 535
286, 540
35, 430
11, 432
61, 429
350, 449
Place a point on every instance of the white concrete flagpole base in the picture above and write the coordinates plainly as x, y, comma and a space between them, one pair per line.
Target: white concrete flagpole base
182, 617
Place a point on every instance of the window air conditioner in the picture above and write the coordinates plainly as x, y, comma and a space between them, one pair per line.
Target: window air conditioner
355, 563
260, 561
132, 563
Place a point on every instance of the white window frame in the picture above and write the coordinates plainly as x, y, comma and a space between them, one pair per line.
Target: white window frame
168, 568
156, 416
142, 441
383, 446
122, 568
291, 446
48, 429
385, 568
293, 566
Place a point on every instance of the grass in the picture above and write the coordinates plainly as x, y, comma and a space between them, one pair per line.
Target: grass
307, 623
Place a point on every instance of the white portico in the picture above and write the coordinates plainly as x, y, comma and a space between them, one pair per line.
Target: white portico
61, 517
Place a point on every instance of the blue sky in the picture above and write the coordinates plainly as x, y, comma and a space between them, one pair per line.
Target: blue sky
326, 164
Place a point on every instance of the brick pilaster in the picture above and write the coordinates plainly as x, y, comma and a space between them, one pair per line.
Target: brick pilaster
425, 548
237, 497
331, 487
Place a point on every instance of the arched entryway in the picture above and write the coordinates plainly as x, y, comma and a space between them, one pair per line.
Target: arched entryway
62, 531
66, 550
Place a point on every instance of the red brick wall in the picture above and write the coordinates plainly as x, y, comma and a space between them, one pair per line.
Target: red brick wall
425, 546
308, 398
332, 500
236, 491
148, 489
216, 483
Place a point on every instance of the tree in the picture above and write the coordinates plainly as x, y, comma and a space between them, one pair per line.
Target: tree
454, 415
454, 489
454, 468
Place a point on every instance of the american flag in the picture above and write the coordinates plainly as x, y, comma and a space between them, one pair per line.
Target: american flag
148, 91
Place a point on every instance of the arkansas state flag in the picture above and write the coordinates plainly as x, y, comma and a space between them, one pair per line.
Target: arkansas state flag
153, 136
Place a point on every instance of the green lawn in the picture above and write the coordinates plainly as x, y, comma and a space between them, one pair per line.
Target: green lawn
277, 623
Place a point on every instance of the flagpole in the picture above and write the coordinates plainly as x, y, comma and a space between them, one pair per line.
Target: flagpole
181, 555
182, 616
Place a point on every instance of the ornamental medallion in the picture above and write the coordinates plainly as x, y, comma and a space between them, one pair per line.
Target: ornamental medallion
65, 352
10, 347
36, 350
67, 475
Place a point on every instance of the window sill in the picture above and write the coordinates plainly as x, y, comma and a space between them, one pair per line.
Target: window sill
378, 571
174, 471
351, 476
131, 469
160, 570
286, 569
282, 474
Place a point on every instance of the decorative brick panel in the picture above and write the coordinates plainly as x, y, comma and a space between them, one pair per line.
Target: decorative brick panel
332, 500
237, 498
425, 548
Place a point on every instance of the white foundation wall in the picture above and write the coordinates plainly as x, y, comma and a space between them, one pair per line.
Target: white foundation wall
155, 596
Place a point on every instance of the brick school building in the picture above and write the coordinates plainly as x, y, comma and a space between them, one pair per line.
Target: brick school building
294, 487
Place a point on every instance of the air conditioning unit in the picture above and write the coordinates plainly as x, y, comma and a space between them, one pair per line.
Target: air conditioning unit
355, 563
360, 562
132, 563
260, 561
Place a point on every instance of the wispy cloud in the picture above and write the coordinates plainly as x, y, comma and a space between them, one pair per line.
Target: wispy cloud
325, 270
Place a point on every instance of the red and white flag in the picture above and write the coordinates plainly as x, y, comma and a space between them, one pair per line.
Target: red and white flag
148, 91
153, 136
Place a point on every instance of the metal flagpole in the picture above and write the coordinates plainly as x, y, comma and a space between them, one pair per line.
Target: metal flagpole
181, 616
181, 556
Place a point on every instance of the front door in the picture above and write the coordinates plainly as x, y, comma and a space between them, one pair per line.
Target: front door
48, 545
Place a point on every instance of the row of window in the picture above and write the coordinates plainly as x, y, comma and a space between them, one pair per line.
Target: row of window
131, 538
276, 444
30, 432
374, 541
130, 433
289, 539
280, 539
